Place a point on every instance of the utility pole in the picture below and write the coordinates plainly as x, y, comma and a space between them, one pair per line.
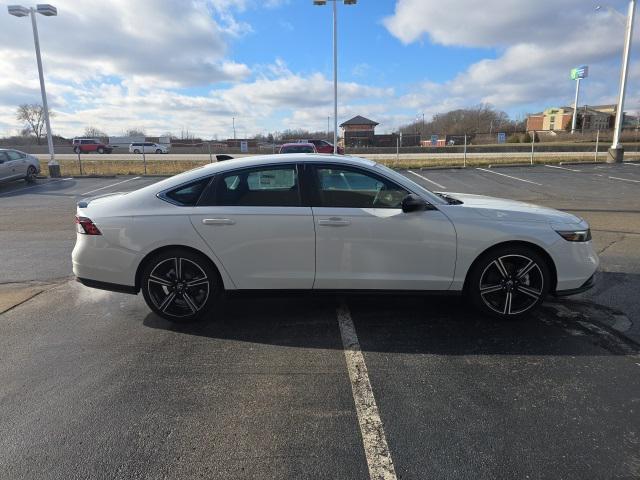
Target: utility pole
616, 152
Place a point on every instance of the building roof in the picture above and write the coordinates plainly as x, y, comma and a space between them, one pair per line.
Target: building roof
359, 120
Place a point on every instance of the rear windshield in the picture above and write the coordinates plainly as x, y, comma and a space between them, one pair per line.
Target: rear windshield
297, 149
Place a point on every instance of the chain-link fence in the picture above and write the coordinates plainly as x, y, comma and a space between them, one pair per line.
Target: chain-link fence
436, 150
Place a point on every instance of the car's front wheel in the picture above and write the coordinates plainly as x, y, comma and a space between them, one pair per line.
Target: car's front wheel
158, 151
180, 285
509, 282
76, 149
31, 174
100, 150
136, 151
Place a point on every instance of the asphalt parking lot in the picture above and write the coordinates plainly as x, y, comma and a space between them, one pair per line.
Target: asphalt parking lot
92, 385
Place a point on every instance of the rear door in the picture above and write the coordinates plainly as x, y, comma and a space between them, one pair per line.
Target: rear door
254, 221
365, 241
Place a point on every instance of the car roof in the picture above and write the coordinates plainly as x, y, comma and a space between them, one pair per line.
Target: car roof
298, 144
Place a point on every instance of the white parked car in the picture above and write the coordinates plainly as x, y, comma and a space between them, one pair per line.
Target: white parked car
318, 222
16, 165
148, 147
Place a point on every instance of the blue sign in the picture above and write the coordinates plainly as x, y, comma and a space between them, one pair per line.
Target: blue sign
434, 140
580, 72
502, 138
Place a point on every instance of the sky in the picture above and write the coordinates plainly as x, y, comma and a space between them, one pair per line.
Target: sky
179, 65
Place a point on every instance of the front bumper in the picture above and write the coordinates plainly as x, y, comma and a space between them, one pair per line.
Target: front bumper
588, 285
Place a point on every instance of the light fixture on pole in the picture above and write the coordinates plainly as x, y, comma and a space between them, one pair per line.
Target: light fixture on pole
577, 74
616, 152
48, 11
335, 65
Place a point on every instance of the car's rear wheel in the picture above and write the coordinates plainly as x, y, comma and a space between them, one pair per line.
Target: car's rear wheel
100, 150
76, 149
136, 151
180, 285
509, 282
31, 174
158, 151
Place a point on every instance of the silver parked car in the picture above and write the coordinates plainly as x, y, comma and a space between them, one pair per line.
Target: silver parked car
17, 165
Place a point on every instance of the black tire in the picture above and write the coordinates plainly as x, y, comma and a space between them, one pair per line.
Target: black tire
508, 282
158, 151
31, 174
76, 149
100, 150
136, 151
184, 294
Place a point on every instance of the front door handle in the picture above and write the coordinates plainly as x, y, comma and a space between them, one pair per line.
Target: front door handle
334, 222
218, 221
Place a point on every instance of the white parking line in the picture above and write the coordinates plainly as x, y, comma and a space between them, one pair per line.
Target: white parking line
624, 179
425, 178
634, 164
34, 186
563, 168
509, 176
109, 186
375, 443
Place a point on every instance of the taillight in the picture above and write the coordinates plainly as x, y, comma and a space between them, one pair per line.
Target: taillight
85, 226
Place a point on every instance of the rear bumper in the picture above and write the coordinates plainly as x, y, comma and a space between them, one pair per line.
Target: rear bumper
112, 287
588, 285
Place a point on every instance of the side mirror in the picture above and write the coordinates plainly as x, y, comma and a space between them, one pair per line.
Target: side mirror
414, 203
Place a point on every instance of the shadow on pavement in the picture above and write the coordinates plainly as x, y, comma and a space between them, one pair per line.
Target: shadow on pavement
442, 325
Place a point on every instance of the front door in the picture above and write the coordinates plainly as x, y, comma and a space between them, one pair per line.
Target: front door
5, 168
253, 220
18, 163
365, 241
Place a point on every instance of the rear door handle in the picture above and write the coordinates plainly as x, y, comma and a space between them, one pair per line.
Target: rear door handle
218, 221
334, 222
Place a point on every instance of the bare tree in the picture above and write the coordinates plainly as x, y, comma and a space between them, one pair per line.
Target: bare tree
32, 115
134, 132
94, 132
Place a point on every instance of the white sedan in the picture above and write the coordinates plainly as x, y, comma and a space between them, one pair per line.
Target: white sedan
318, 222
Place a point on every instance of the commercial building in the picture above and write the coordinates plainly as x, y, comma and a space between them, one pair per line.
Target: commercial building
590, 118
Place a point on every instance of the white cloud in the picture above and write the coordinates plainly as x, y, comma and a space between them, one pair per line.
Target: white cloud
537, 43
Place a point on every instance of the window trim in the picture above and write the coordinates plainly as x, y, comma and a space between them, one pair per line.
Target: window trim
212, 187
314, 182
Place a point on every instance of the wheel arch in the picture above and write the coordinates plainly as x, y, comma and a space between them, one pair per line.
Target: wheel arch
164, 248
517, 243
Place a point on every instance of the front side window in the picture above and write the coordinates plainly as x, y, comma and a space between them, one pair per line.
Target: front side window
15, 155
350, 188
260, 187
4, 157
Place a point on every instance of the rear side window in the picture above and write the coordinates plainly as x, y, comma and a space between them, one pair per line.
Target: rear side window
186, 195
260, 187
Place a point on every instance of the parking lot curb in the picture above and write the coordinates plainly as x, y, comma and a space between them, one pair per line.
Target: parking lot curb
444, 167
510, 165
581, 163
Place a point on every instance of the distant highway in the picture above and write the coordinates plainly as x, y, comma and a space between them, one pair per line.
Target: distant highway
584, 156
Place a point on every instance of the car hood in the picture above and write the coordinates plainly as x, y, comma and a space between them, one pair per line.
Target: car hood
511, 210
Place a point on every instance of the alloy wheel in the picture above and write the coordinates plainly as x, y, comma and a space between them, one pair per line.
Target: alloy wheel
511, 284
178, 287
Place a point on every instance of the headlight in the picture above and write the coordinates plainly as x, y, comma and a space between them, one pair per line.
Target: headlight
576, 235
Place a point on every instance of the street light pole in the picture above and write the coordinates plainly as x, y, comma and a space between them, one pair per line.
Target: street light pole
49, 11
335, 77
335, 65
616, 152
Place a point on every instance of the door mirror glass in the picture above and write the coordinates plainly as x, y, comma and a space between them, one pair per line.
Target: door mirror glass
414, 203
